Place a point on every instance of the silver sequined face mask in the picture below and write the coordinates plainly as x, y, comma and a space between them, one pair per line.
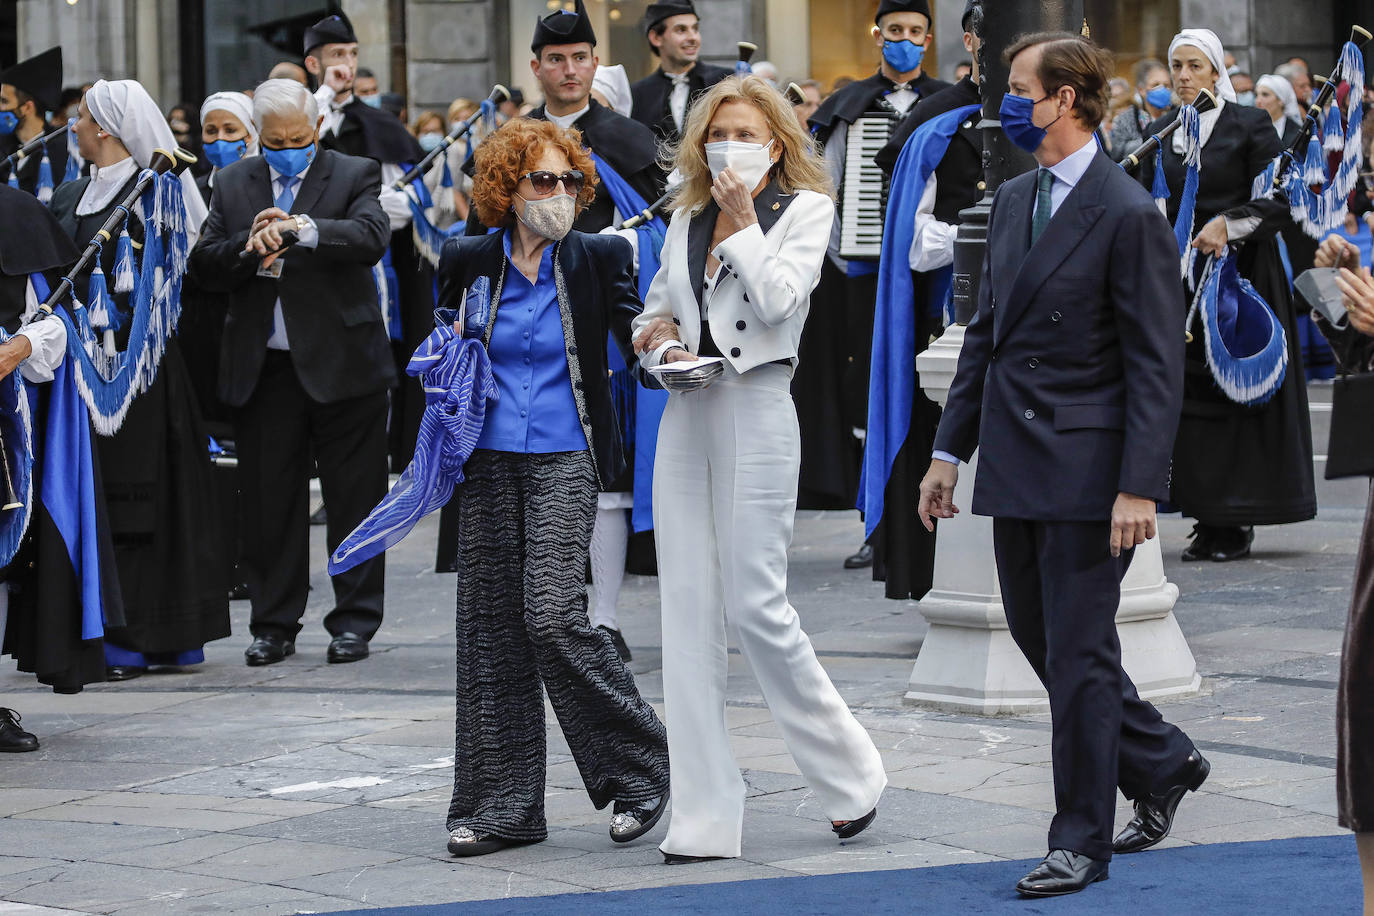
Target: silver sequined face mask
551, 217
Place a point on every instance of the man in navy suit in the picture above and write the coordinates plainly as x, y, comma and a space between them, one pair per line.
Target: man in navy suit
1070, 382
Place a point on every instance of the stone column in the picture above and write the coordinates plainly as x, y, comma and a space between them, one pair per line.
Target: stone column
968, 662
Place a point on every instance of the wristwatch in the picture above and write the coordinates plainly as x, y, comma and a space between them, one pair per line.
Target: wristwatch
301, 222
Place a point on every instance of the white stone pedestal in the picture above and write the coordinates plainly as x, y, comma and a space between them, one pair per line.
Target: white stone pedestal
968, 661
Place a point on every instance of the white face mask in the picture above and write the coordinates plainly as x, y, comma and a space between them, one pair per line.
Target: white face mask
551, 217
749, 161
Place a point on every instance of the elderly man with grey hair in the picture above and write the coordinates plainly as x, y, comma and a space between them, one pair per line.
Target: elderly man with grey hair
305, 362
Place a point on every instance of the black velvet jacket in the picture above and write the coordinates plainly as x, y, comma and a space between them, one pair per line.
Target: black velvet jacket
596, 296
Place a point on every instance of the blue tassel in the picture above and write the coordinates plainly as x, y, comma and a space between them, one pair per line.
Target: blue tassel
73, 153
44, 190
1160, 189
1314, 167
422, 193
446, 181
14, 179
124, 262
1333, 133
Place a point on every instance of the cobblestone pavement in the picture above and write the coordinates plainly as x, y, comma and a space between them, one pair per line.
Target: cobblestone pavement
309, 787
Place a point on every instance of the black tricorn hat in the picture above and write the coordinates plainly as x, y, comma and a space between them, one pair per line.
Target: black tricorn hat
331, 30
657, 12
562, 27
40, 76
902, 6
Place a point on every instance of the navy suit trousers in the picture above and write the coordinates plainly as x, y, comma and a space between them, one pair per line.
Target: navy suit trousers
1061, 587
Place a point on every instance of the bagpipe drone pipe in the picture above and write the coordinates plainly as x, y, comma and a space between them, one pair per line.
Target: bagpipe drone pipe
107, 378
430, 239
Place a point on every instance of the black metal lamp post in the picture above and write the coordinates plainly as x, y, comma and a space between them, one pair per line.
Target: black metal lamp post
997, 23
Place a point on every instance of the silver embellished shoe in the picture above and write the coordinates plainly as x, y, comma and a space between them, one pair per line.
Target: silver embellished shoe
631, 822
463, 841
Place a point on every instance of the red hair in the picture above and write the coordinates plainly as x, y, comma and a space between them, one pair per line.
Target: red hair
514, 149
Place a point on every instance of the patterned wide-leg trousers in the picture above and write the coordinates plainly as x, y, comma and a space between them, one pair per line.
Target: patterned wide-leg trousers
525, 523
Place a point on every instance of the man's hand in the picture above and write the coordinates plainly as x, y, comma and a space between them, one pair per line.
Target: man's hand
678, 355
267, 240
1212, 239
13, 352
339, 77
1133, 522
269, 215
1337, 252
937, 493
656, 333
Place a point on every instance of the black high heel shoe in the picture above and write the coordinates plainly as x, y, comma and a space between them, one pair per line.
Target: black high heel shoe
674, 858
853, 828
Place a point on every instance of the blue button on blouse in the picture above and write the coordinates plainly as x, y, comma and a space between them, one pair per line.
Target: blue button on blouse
537, 412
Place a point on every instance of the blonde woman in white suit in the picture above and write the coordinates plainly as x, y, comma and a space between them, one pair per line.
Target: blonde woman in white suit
744, 249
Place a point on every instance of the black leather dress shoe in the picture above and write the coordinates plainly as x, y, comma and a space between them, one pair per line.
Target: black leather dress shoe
268, 650
855, 827
124, 672
347, 647
1200, 547
621, 648
633, 821
861, 560
13, 739
1154, 813
1234, 545
1061, 872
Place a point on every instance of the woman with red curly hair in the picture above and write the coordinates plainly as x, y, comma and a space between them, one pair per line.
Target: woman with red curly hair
544, 299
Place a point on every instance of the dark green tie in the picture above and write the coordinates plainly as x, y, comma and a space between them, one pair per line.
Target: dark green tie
1043, 207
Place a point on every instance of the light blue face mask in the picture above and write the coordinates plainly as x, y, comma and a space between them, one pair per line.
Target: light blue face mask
290, 161
372, 101
903, 56
1245, 98
8, 122
1160, 97
430, 140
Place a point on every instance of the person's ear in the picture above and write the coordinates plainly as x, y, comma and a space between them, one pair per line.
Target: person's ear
534, 66
968, 42
312, 65
877, 36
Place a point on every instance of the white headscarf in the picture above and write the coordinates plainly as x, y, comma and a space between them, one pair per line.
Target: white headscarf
1206, 41
240, 106
125, 110
615, 86
1284, 90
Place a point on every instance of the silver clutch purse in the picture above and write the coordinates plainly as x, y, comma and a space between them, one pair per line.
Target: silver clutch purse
692, 376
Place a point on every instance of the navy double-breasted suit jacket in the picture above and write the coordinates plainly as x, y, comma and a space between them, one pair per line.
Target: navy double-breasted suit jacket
1071, 376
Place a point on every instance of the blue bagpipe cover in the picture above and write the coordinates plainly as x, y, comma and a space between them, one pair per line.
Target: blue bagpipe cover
68, 481
1246, 347
458, 382
638, 408
892, 373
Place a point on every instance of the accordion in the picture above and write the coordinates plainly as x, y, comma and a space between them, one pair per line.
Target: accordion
863, 190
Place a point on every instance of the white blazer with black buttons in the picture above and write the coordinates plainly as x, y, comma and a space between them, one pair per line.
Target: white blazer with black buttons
763, 287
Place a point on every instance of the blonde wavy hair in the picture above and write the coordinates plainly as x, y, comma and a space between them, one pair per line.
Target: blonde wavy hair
798, 167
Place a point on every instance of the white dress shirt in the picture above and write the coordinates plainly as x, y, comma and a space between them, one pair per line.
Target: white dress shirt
395, 204
47, 337
566, 121
105, 185
677, 98
308, 237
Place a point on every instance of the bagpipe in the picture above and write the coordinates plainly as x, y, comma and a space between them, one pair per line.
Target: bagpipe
747, 49
1321, 210
109, 379
45, 183
430, 239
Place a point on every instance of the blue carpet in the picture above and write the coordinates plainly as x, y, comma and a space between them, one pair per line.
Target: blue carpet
1298, 876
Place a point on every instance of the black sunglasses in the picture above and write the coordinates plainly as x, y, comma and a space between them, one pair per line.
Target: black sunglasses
544, 182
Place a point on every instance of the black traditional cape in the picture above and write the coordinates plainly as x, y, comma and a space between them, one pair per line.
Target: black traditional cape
1236, 465
853, 100
28, 171
650, 97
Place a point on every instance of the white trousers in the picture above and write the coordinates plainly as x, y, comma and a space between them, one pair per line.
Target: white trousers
725, 492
